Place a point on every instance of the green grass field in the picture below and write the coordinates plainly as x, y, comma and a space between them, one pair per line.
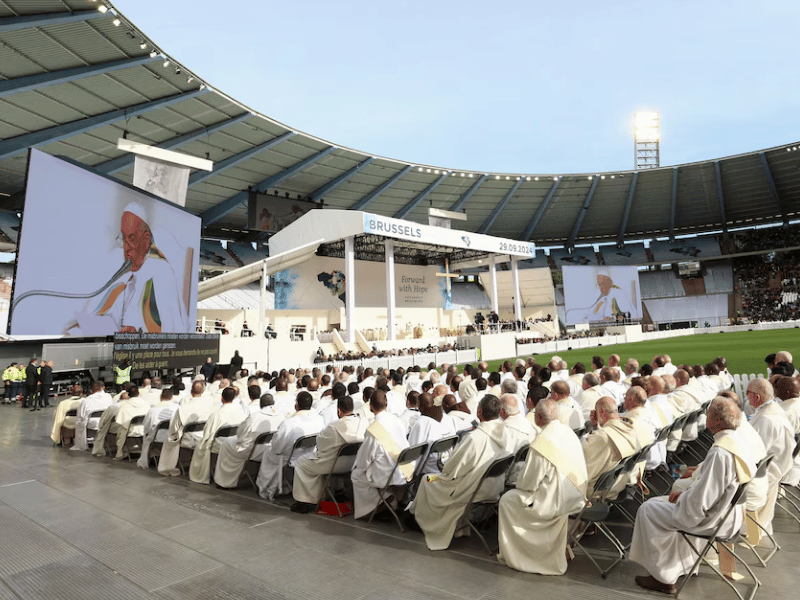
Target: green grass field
745, 351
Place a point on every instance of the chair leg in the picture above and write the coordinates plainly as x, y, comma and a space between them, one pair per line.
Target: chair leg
775, 547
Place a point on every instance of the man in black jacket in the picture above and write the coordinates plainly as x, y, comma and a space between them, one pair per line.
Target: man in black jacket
47, 384
31, 381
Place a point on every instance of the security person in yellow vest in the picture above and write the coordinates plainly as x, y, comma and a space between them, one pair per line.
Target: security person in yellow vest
122, 372
8, 382
18, 384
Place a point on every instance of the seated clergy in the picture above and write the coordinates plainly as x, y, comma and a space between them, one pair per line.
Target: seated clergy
126, 409
310, 469
60, 418
613, 439
234, 451
458, 412
657, 544
195, 410
533, 517
276, 455
441, 499
97, 400
430, 427
376, 459
225, 416
569, 411
163, 411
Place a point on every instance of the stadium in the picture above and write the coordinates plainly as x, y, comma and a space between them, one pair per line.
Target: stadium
297, 253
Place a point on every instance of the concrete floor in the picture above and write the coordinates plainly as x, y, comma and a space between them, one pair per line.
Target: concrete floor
76, 526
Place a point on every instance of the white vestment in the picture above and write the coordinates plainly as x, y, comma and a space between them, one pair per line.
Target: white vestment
234, 451
97, 401
426, 431
276, 455
200, 467
310, 469
441, 500
162, 411
197, 410
374, 464
656, 543
533, 520
60, 417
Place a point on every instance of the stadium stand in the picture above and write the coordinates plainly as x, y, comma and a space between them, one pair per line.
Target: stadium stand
468, 295
214, 257
687, 249
660, 284
246, 253
628, 255
246, 297
578, 257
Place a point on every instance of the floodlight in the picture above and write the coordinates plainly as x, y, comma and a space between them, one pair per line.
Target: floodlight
646, 139
102, 8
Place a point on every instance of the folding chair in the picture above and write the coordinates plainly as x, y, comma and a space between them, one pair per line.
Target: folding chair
406, 457
790, 492
258, 449
686, 446
661, 437
438, 447
340, 469
133, 443
185, 454
98, 414
463, 433
305, 442
761, 471
222, 432
711, 541
520, 457
70, 413
498, 468
596, 512
629, 464
154, 452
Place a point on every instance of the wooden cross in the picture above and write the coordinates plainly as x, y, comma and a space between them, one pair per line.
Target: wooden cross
448, 274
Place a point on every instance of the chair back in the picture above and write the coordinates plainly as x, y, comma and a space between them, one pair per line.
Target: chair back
580, 431
498, 468
522, 453
763, 465
606, 481
303, 443
444, 444
96, 414
679, 423
264, 438
796, 447
411, 454
663, 433
463, 433
194, 427
345, 458
227, 431
138, 420
71, 413
162, 425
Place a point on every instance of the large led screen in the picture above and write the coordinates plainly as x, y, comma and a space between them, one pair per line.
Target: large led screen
601, 294
97, 257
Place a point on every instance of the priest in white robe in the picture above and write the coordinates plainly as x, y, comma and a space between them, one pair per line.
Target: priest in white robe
97, 400
533, 521
127, 409
773, 426
60, 418
304, 422
227, 415
442, 499
195, 410
310, 470
430, 427
163, 411
235, 451
384, 440
569, 411
458, 412
656, 543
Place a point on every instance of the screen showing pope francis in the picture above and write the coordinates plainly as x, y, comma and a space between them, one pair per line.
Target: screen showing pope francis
97, 257
609, 294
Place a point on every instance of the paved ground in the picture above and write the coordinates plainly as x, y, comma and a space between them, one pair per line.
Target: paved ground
76, 526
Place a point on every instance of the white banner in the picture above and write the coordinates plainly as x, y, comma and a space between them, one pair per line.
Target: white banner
455, 238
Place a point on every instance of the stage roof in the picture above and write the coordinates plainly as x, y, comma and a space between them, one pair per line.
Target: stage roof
73, 83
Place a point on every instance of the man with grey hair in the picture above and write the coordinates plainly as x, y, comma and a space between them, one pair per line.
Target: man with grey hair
569, 411
657, 543
534, 517
441, 501
520, 430
631, 370
590, 395
775, 429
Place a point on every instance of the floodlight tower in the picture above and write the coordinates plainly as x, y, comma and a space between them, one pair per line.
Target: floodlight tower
646, 137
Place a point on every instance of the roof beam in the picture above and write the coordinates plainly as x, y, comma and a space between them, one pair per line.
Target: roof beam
224, 208
126, 160
366, 200
234, 160
401, 214
534, 223
458, 205
673, 204
31, 21
332, 185
15, 145
582, 214
33, 82
721, 198
626, 213
773, 188
486, 225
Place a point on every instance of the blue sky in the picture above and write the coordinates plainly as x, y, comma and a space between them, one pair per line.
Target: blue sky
525, 87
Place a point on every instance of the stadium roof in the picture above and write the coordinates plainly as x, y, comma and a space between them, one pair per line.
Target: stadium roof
73, 81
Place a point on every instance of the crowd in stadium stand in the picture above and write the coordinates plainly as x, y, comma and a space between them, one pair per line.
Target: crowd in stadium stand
548, 426
767, 238
769, 286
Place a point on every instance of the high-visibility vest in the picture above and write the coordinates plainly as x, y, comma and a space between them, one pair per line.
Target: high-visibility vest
123, 375
8, 375
20, 374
